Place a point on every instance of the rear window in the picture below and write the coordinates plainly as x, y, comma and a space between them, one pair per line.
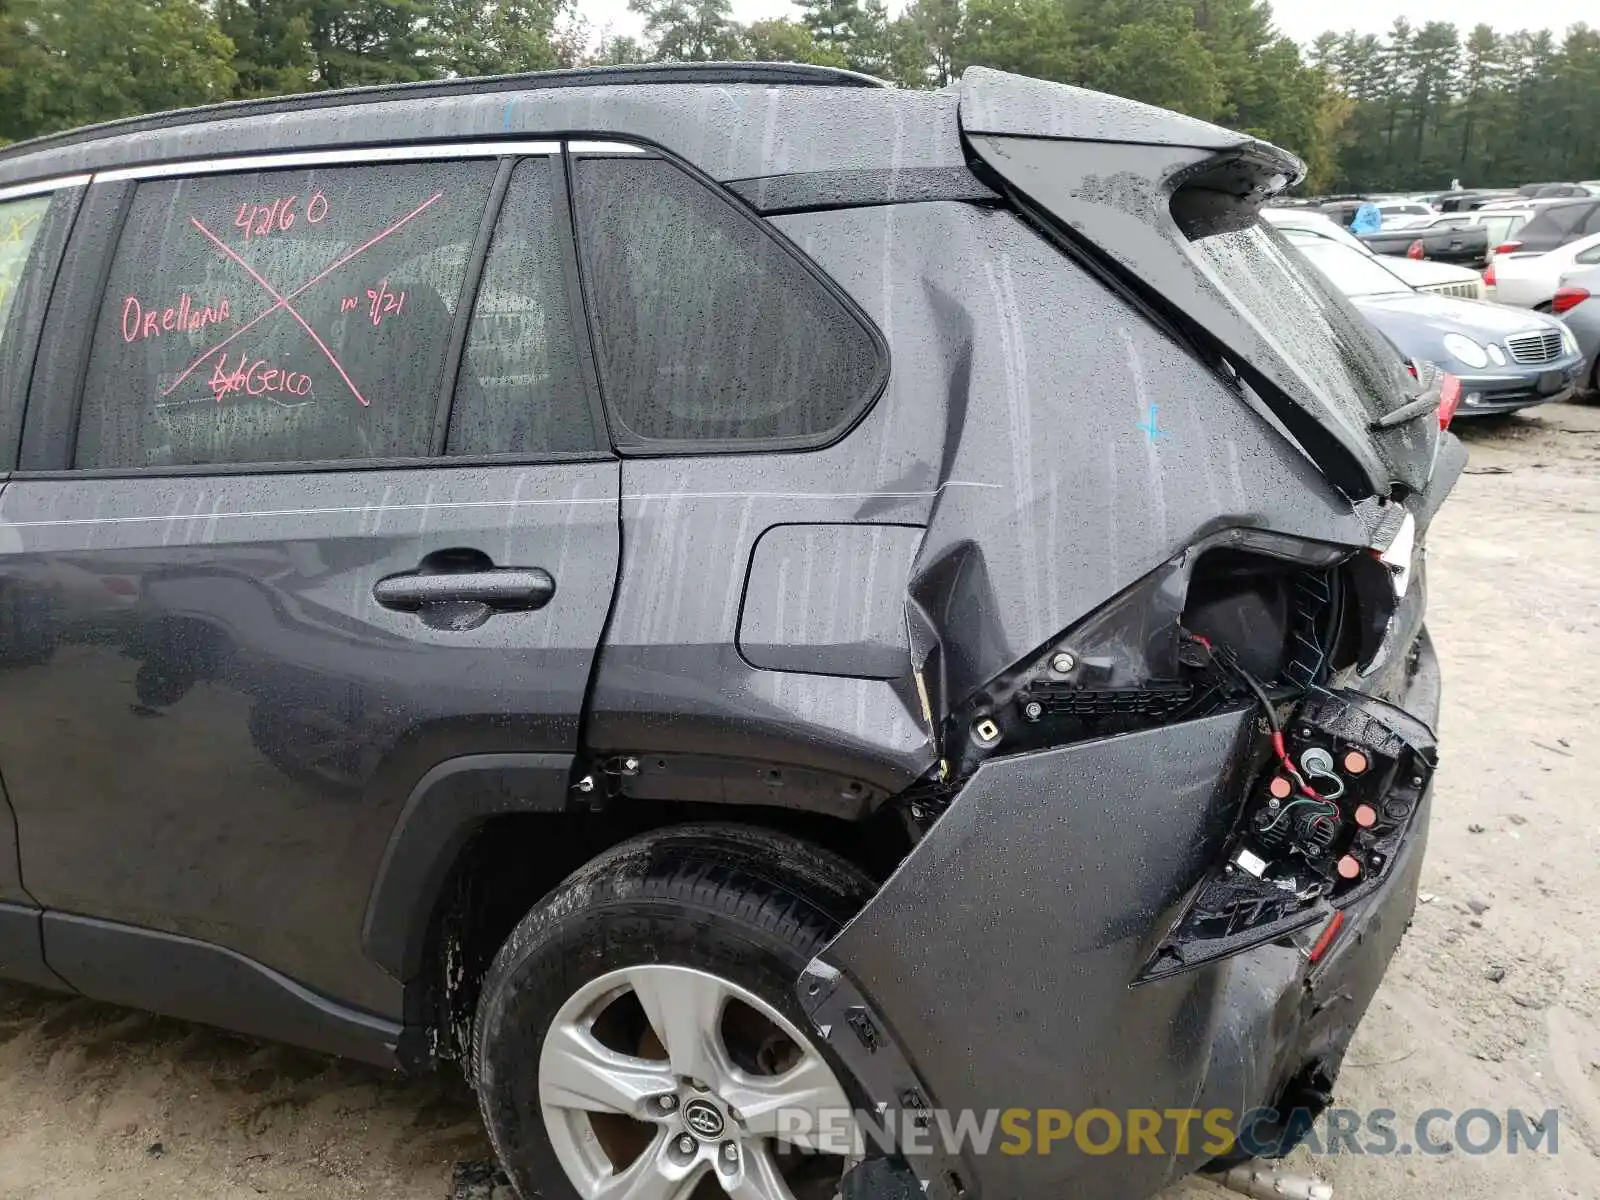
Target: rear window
1557, 222
1311, 326
708, 328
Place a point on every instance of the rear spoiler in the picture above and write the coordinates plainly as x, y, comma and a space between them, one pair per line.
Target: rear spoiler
1126, 188
1016, 106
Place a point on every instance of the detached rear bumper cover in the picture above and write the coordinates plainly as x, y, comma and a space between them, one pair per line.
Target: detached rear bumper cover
992, 971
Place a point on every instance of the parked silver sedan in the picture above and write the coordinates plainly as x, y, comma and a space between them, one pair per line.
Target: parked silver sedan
1577, 302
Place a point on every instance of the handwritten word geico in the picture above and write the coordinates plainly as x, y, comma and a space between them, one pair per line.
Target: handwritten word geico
254, 377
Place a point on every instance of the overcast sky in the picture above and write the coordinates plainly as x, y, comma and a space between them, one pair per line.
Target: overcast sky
1300, 19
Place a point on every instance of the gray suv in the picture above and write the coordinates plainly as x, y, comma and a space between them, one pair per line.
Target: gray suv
716, 598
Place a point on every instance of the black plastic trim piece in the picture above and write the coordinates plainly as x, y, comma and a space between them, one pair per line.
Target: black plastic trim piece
467, 304
200, 981
29, 308
444, 809
815, 191
722, 779
50, 429
699, 74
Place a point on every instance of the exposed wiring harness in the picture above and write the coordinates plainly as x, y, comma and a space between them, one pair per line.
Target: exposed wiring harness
1225, 658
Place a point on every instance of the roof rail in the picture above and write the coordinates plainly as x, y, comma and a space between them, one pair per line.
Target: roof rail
769, 74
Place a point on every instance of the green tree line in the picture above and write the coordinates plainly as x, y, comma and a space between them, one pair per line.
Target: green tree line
1414, 108
1429, 105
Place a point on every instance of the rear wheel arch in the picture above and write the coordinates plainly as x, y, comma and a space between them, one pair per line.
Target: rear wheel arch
509, 863
689, 918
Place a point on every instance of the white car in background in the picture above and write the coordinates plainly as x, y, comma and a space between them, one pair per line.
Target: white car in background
1404, 214
1531, 280
1442, 279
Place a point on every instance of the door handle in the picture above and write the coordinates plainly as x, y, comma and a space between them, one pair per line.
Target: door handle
498, 589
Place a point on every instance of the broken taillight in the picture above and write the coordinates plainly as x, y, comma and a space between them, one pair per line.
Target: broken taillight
1568, 298
1449, 399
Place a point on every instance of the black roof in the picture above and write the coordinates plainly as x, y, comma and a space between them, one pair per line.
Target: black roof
761, 74
731, 120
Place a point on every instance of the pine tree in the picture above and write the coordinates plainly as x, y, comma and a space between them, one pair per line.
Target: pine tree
272, 44
689, 30
73, 62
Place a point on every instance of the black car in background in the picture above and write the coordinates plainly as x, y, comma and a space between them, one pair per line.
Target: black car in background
710, 595
1465, 245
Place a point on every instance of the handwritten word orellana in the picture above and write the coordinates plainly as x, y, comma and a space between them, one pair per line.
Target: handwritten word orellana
139, 322
256, 378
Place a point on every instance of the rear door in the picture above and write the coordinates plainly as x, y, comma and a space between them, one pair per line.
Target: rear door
314, 496
34, 221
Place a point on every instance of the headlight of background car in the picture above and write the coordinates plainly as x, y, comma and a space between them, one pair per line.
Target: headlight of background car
1466, 351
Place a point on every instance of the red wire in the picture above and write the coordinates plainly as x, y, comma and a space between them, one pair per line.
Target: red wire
1288, 765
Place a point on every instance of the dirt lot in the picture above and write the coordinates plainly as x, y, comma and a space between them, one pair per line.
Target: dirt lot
1492, 1002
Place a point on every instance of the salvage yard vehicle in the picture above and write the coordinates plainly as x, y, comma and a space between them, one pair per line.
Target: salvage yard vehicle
711, 595
1577, 301
1466, 245
1504, 359
1531, 280
1438, 277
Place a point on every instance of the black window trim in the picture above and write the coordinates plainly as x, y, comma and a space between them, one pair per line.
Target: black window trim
68, 192
49, 438
630, 445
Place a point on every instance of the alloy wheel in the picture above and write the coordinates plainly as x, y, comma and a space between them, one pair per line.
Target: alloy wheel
661, 1082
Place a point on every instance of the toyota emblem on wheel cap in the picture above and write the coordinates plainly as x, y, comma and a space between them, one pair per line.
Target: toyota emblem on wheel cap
703, 1118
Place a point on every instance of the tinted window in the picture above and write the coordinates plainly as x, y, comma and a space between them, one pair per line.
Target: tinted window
521, 389
20, 222
1555, 223
1308, 321
282, 316
707, 327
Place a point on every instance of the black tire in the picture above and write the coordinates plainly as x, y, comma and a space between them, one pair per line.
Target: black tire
747, 904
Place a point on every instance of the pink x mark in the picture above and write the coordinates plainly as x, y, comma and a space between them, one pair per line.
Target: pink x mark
286, 302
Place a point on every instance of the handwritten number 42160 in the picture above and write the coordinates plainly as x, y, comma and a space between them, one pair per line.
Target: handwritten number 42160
259, 220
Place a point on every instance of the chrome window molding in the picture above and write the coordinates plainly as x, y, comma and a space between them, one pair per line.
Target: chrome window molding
41, 186
353, 156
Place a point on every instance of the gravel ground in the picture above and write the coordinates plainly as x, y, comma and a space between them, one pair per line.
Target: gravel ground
1491, 1002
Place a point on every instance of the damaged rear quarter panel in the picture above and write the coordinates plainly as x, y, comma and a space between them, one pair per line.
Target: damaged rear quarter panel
1079, 446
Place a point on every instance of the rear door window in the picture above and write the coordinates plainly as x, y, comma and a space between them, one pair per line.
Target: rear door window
281, 316
709, 330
